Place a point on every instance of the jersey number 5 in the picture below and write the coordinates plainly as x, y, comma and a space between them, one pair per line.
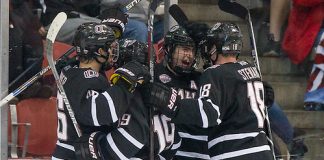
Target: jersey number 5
256, 94
62, 124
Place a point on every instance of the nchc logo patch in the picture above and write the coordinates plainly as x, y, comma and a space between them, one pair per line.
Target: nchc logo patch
164, 78
90, 74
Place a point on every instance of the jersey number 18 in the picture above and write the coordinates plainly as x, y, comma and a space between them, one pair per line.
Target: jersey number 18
256, 94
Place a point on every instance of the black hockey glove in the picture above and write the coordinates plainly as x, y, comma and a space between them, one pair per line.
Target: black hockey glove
61, 63
268, 94
91, 146
162, 97
131, 75
197, 31
115, 18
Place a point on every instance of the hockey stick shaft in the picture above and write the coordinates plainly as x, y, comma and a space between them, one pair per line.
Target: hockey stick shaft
55, 27
20, 76
25, 71
152, 7
29, 82
179, 16
254, 51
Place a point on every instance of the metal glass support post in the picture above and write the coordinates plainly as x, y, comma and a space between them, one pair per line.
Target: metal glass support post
4, 74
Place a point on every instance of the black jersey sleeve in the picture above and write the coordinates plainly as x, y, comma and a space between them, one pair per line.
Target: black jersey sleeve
104, 108
131, 135
205, 110
93, 100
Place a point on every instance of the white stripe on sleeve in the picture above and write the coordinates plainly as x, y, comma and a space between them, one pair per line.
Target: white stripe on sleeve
241, 152
203, 114
94, 110
113, 146
130, 138
111, 107
219, 121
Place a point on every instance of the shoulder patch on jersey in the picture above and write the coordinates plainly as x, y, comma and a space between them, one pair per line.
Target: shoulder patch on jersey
243, 63
164, 78
90, 73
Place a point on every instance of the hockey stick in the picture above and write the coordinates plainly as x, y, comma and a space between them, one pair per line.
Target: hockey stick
238, 10
179, 16
152, 7
38, 75
25, 71
55, 27
131, 4
20, 76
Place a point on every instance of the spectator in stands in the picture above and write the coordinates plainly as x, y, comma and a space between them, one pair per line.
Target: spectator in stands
79, 12
136, 28
281, 126
279, 10
25, 49
304, 32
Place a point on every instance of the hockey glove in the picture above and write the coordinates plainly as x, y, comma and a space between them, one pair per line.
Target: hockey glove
131, 75
91, 146
115, 18
268, 94
162, 97
61, 63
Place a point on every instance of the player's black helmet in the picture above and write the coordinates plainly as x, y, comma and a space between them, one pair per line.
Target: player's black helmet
91, 36
227, 38
131, 49
177, 36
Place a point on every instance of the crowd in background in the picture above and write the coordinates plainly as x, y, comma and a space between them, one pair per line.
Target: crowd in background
295, 29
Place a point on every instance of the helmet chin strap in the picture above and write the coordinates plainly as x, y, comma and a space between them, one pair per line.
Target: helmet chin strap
105, 66
213, 61
171, 70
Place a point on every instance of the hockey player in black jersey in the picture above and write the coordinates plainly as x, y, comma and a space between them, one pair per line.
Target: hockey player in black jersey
178, 72
100, 109
230, 101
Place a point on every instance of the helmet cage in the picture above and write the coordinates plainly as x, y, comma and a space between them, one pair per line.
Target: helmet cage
177, 36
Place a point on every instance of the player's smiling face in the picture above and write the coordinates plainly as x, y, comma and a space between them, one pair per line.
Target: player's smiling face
183, 56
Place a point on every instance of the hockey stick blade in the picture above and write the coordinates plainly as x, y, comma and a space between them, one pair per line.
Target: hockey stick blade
177, 13
55, 27
233, 8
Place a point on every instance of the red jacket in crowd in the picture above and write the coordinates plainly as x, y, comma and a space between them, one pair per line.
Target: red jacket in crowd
305, 21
